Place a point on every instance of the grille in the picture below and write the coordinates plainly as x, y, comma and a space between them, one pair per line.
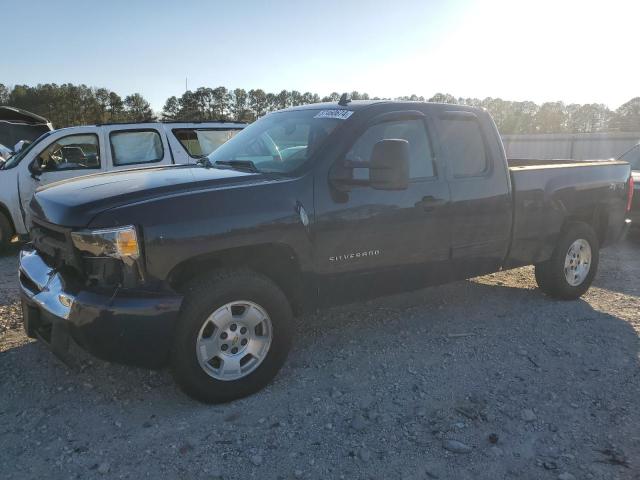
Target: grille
54, 243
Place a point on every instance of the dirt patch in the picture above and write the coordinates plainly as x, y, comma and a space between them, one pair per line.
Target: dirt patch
481, 379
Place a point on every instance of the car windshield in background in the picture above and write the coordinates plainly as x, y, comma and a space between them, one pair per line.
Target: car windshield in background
17, 158
281, 142
633, 157
200, 142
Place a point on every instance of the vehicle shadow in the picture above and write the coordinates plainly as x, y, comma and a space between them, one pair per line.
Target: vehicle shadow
473, 353
618, 267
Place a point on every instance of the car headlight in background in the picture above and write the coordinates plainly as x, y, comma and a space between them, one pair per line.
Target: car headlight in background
121, 242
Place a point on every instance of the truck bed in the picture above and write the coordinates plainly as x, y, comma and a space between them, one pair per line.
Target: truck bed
548, 193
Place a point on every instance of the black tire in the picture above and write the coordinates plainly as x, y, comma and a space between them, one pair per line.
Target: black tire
550, 275
203, 297
6, 232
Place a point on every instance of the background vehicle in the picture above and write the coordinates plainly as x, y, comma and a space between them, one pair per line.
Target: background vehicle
306, 207
17, 124
72, 152
633, 157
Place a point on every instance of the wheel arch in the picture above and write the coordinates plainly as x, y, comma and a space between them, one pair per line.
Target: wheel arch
594, 216
276, 261
4, 210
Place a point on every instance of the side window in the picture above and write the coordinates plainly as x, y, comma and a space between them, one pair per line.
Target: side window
413, 131
463, 142
201, 142
129, 147
74, 152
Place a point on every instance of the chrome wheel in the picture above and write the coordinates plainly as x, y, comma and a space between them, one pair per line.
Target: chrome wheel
577, 263
234, 340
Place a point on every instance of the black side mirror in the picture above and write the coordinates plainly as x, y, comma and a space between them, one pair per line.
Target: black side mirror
389, 166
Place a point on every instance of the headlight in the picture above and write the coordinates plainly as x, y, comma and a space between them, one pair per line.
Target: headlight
119, 243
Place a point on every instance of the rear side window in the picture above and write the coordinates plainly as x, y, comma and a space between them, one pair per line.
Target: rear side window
200, 142
413, 131
129, 147
464, 145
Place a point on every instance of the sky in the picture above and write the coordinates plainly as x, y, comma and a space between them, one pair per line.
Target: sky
541, 50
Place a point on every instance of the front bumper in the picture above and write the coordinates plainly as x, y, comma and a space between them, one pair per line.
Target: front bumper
127, 326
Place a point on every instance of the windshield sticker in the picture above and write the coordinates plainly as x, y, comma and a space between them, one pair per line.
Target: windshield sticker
339, 114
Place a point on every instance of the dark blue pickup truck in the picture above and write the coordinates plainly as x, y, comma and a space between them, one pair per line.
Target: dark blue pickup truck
203, 267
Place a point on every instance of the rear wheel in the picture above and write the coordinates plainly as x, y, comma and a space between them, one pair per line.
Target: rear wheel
568, 274
6, 232
233, 336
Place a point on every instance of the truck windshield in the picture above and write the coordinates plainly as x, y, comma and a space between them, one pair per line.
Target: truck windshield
281, 142
14, 160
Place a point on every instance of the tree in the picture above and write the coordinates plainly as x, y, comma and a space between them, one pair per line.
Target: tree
627, 117
115, 108
221, 101
137, 108
239, 105
551, 118
443, 98
171, 109
588, 118
4, 94
258, 102
332, 97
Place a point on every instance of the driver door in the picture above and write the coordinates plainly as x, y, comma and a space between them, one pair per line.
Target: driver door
64, 157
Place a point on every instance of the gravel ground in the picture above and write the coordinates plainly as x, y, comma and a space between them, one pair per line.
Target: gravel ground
480, 379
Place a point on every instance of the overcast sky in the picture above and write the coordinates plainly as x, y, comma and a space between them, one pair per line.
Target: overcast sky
541, 50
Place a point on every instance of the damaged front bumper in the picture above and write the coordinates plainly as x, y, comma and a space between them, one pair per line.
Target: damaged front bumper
127, 326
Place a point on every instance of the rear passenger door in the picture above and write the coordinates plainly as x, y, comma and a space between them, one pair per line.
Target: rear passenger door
138, 146
480, 211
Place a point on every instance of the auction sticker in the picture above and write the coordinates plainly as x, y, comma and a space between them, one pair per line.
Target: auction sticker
338, 114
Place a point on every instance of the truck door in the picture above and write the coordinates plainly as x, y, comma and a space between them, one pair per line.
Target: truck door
369, 242
64, 156
480, 213
141, 145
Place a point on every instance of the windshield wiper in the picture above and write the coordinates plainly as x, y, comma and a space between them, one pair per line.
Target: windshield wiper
245, 165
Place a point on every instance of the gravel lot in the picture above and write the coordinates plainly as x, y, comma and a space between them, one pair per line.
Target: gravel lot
481, 379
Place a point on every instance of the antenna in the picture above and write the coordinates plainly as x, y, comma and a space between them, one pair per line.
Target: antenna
344, 100
186, 85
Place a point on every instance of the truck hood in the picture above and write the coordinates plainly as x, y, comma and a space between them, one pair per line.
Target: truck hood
75, 202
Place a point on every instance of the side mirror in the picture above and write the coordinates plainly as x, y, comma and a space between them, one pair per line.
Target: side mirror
389, 166
35, 169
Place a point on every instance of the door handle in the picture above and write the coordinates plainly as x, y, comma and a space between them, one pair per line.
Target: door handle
430, 202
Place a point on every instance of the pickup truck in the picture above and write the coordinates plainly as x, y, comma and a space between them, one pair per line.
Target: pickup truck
633, 157
204, 266
76, 151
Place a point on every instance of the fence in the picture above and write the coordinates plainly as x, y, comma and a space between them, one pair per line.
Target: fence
577, 146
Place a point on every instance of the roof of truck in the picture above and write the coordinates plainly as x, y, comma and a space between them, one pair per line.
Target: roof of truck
355, 105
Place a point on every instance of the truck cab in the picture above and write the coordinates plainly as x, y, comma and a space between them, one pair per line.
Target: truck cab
77, 151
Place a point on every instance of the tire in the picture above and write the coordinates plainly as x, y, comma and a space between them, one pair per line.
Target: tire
6, 232
551, 276
235, 296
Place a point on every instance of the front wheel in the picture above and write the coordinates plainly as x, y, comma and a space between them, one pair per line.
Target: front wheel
233, 335
568, 274
6, 232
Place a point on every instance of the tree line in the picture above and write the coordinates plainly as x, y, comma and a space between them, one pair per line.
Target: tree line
68, 105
